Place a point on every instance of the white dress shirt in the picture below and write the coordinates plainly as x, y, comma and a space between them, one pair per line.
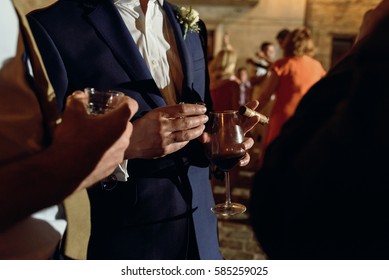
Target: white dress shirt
156, 42
155, 39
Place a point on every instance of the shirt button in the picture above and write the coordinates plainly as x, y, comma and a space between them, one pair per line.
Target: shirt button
154, 62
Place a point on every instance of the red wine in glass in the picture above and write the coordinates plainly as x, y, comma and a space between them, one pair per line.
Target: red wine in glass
228, 161
224, 150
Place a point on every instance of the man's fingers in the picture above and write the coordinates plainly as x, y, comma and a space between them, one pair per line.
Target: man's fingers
248, 143
253, 104
245, 160
187, 135
181, 110
205, 138
128, 106
185, 123
249, 123
77, 101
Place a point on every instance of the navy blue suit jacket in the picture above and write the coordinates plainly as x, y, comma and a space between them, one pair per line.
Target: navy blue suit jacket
163, 211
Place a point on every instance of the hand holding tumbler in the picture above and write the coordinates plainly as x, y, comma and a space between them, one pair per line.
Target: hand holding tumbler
101, 102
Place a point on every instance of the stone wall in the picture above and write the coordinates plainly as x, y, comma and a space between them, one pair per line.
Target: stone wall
327, 18
248, 26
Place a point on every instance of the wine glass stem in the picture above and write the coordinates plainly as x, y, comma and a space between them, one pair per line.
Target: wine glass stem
228, 187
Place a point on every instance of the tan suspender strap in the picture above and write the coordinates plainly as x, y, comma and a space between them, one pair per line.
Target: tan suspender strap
77, 209
43, 86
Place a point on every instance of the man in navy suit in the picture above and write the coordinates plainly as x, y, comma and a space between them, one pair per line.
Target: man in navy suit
140, 48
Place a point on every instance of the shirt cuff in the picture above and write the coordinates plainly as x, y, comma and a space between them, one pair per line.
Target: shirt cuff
121, 172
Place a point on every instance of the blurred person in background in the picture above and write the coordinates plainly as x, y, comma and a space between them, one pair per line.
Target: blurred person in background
244, 85
281, 36
289, 79
224, 84
263, 59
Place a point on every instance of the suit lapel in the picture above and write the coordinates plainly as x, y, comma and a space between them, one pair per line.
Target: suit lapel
105, 18
107, 21
188, 92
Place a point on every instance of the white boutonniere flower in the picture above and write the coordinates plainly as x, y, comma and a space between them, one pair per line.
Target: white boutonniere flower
188, 19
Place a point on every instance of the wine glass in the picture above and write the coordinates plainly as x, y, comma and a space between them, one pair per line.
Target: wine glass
101, 102
225, 149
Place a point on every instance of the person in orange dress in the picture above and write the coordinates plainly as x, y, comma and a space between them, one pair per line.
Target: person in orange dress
289, 79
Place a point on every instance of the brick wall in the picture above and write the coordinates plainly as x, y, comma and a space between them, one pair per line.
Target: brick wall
248, 26
327, 18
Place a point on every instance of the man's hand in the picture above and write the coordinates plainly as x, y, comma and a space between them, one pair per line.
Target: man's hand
84, 150
247, 124
95, 144
166, 130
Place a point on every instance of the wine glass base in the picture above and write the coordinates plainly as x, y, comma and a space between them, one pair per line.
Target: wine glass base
231, 209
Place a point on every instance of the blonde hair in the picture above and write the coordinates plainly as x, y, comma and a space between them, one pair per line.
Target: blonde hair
299, 43
224, 64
